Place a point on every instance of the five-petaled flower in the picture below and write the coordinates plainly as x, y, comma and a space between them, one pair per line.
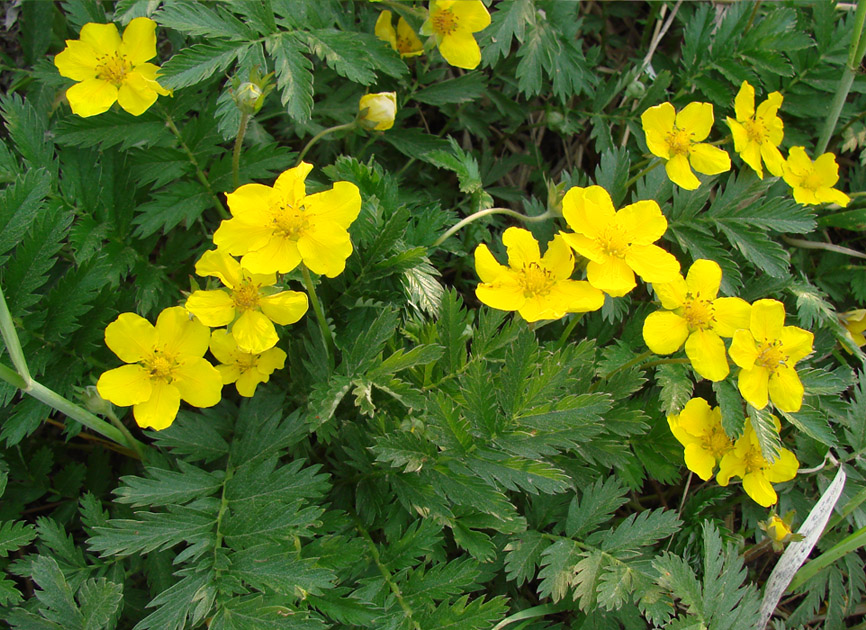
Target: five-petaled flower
245, 369
451, 23
249, 301
767, 352
536, 286
377, 111
699, 429
403, 40
746, 461
813, 181
758, 133
275, 229
678, 138
110, 69
617, 244
696, 317
166, 365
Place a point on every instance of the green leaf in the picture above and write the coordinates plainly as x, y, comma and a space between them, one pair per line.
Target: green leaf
34, 37
813, 423
55, 594
183, 201
454, 329
676, 387
28, 130
465, 615
595, 506
263, 613
9, 594
293, 73
152, 530
641, 529
176, 603
100, 602
343, 52
14, 535
518, 473
200, 20
267, 566
507, 22
768, 436
198, 62
731, 405
164, 487
194, 437
114, 128
559, 567
465, 88
523, 554
21, 203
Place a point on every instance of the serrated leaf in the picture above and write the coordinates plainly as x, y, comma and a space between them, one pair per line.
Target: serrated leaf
163, 487
294, 75
676, 387
21, 203
269, 567
183, 201
559, 563
523, 554
55, 594
731, 405
768, 436
462, 89
100, 600
200, 20
639, 530
198, 62
343, 52
595, 506
14, 535
151, 530
114, 128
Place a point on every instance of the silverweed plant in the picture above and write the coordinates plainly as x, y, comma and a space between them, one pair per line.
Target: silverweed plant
383, 315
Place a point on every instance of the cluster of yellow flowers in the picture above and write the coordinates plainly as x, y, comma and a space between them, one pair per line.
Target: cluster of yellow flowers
273, 230
678, 138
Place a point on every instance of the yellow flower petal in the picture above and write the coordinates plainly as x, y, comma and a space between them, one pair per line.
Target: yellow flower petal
697, 119
671, 294
680, 172
827, 169
573, 210
704, 278
739, 134
770, 108
614, 276
585, 246
77, 61
229, 373
558, 258
223, 346
198, 382
575, 296
325, 248
408, 44
796, 343
279, 255
536, 308
731, 314
284, 308
699, 461
784, 468
160, 410
239, 236
642, 221
250, 202
213, 308
831, 195
759, 488
384, 30
786, 390
709, 160
664, 332
91, 97
730, 466
125, 386
130, 337
486, 266
652, 263
460, 50
290, 187
505, 294
136, 94
150, 71
773, 159
598, 212
753, 385
104, 38
751, 155
744, 102
219, 264
767, 320
139, 40
247, 382
658, 121
696, 418
706, 351
743, 350
273, 359
521, 246
181, 336
255, 333
471, 15
339, 205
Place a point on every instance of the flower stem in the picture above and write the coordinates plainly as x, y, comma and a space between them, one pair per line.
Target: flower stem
855, 56
575, 320
322, 134
134, 444
236, 153
13, 344
327, 337
529, 613
483, 213
624, 366
649, 168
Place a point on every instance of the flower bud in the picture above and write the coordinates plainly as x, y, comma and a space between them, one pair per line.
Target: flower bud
377, 111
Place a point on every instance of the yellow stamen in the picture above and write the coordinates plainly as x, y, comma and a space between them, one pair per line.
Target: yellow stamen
698, 313
716, 442
113, 69
756, 130
535, 280
160, 366
246, 296
444, 22
289, 221
771, 355
613, 242
679, 141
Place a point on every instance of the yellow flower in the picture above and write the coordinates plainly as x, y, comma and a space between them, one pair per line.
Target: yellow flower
758, 133
378, 110
618, 244
813, 181
699, 429
275, 229
747, 462
166, 365
403, 40
249, 302
245, 369
696, 317
536, 287
855, 323
451, 23
767, 353
110, 69
677, 138
777, 529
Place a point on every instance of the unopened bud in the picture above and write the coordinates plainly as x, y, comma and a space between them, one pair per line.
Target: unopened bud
377, 111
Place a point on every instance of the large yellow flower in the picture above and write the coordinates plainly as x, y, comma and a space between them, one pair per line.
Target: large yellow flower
767, 353
758, 133
250, 302
245, 369
403, 40
813, 181
696, 317
618, 244
536, 287
699, 429
759, 475
110, 69
274, 229
451, 23
677, 138
166, 365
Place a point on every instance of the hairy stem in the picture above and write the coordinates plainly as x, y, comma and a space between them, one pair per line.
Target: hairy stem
236, 153
483, 213
322, 134
327, 337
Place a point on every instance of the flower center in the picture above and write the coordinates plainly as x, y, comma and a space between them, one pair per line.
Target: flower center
535, 280
113, 68
698, 313
679, 141
770, 355
404, 45
756, 130
160, 366
444, 22
246, 361
754, 461
289, 221
812, 181
716, 442
613, 242
246, 296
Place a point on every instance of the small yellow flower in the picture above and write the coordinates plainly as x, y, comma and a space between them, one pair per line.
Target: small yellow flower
758, 475
855, 323
813, 181
275, 229
110, 69
166, 365
451, 23
249, 302
777, 529
767, 353
699, 429
536, 287
617, 244
378, 110
403, 40
696, 317
245, 369
677, 138
758, 133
